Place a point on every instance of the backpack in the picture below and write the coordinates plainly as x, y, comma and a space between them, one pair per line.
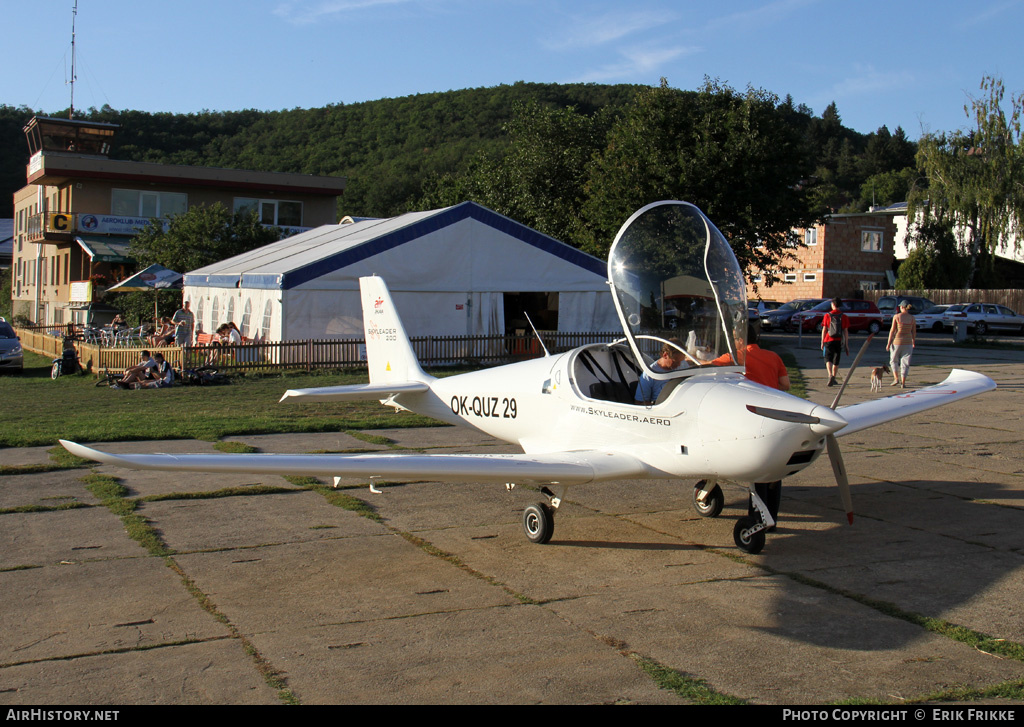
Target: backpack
835, 324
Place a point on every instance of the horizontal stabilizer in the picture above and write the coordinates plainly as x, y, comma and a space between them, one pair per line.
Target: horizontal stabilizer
958, 385
562, 467
356, 392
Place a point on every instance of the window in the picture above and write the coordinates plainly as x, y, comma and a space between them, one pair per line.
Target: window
280, 212
870, 241
790, 277
229, 313
215, 314
810, 277
811, 236
199, 315
267, 318
137, 203
246, 318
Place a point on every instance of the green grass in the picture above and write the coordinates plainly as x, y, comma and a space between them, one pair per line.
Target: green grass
38, 411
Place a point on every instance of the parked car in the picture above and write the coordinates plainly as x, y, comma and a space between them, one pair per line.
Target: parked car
11, 356
981, 317
889, 304
779, 318
931, 319
863, 315
763, 306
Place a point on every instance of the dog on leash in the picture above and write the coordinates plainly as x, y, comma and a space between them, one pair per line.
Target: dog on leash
876, 376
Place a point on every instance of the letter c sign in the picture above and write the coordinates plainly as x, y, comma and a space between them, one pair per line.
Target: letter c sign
61, 223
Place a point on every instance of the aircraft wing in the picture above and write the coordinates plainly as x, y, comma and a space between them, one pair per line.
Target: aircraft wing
958, 385
568, 468
356, 392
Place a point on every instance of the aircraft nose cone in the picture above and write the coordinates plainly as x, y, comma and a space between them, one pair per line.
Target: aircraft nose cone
829, 422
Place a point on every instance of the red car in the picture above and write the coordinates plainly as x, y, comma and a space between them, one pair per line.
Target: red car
863, 314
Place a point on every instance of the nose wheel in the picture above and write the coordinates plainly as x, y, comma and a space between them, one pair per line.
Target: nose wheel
708, 500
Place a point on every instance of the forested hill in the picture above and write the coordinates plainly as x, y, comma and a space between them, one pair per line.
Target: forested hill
385, 148
388, 148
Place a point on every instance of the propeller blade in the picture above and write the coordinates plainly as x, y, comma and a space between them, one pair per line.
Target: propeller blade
782, 415
853, 367
835, 456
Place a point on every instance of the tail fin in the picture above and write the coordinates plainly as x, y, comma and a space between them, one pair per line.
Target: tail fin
389, 353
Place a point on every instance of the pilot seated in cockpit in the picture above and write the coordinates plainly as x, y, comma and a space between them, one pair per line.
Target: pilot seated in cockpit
671, 358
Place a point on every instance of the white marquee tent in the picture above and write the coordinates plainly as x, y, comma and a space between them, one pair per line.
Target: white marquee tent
450, 272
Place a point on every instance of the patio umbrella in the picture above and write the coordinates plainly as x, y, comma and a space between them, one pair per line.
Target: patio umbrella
156, 277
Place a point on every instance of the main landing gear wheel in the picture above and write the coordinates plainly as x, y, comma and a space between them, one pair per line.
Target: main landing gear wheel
538, 523
745, 540
712, 504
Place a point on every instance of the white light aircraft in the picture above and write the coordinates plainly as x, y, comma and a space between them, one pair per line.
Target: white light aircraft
675, 283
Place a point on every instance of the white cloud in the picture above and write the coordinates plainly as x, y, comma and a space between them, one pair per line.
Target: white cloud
868, 80
304, 12
638, 62
758, 17
981, 16
608, 28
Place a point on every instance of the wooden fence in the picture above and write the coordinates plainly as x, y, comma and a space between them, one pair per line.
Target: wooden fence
311, 354
1012, 298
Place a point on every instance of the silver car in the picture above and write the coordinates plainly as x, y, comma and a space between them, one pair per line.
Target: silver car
11, 356
931, 319
983, 317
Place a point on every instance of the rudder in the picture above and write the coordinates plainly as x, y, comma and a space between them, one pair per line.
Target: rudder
389, 354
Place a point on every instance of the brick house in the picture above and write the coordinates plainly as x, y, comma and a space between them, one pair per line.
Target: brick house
847, 254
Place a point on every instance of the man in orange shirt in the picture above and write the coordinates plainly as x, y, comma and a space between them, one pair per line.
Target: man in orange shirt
762, 367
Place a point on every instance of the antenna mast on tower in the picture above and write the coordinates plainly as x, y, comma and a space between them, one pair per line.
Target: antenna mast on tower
74, 13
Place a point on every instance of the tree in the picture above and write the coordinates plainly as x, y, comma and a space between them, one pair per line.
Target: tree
886, 188
937, 260
732, 154
189, 241
200, 237
976, 177
540, 178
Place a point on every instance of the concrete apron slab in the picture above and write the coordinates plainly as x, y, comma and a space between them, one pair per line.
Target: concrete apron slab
771, 640
209, 672
80, 609
15, 456
45, 489
522, 654
64, 536
245, 522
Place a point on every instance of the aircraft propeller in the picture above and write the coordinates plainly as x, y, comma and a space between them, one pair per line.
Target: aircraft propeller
835, 455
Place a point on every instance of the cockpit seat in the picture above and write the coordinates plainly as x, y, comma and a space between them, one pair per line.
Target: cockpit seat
613, 391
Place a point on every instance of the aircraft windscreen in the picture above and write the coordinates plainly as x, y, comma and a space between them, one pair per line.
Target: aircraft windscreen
676, 282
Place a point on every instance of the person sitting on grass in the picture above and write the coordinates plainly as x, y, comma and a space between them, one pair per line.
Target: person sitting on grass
164, 374
142, 371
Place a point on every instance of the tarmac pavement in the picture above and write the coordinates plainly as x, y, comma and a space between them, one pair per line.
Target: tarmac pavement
284, 596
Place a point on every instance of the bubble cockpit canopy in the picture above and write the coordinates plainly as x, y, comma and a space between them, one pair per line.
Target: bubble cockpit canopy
676, 283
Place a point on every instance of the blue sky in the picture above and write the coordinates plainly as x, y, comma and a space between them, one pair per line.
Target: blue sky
898, 63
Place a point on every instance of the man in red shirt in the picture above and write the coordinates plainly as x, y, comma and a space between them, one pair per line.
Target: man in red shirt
835, 336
